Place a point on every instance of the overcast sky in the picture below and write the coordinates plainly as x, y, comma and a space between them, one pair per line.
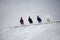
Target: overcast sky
12, 10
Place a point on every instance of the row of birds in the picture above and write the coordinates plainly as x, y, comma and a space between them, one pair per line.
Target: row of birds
30, 20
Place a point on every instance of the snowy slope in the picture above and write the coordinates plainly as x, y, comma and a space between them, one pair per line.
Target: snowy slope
12, 10
35, 32
52, 33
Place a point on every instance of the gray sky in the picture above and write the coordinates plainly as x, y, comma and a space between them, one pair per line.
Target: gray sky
12, 10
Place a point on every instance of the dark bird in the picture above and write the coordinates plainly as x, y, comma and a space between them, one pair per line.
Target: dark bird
21, 21
30, 20
39, 19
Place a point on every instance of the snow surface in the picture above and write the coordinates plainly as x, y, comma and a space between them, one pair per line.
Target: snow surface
34, 32
12, 10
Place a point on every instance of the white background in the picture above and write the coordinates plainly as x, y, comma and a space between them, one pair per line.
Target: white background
12, 10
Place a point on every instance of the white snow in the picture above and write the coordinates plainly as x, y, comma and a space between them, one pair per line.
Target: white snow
12, 10
34, 32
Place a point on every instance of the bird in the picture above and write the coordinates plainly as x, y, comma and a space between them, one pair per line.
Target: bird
39, 19
21, 21
30, 20
48, 18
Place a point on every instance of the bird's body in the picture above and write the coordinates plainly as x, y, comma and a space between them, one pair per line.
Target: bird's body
39, 19
21, 21
30, 20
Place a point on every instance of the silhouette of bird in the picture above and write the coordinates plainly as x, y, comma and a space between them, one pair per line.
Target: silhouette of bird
39, 19
30, 20
21, 21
